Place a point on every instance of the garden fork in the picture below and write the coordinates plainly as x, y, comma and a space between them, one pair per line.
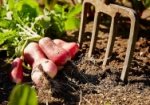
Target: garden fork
102, 6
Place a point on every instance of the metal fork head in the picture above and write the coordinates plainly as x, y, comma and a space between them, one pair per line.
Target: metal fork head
114, 11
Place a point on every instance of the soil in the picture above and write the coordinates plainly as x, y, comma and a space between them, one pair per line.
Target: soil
82, 81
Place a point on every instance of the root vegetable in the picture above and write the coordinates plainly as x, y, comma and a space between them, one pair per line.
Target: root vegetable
33, 54
57, 54
48, 67
38, 76
35, 57
17, 71
71, 47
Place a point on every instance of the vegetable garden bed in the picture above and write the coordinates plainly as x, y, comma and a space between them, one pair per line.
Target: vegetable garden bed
82, 81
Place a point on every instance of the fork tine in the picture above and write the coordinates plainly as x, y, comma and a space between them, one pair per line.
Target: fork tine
83, 21
132, 37
94, 34
131, 45
111, 40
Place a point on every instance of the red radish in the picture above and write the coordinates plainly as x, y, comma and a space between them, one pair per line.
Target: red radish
57, 54
71, 47
17, 70
48, 67
35, 57
33, 53
38, 76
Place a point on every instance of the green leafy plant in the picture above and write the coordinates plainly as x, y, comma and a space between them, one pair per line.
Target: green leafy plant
22, 21
16, 18
63, 17
23, 95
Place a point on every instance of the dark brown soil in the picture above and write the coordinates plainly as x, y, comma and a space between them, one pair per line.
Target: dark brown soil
83, 81
86, 83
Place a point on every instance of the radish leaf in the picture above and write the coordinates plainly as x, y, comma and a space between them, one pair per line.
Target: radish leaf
23, 95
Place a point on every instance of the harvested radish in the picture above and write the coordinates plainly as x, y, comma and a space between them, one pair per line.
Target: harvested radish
48, 67
35, 57
17, 71
71, 47
38, 76
33, 54
57, 54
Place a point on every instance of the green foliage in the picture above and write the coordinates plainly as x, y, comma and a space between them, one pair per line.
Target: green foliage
16, 17
7, 36
49, 4
22, 21
8, 41
74, 10
23, 95
24, 10
62, 18
146, 3
72, 22
69, 17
